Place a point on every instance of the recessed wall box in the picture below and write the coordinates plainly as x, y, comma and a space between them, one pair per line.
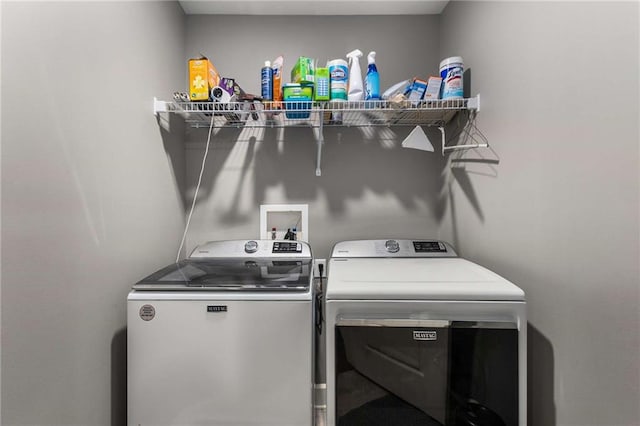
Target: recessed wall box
283, 217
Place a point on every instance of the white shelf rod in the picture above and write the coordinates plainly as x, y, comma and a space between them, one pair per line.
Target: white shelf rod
455, 147
319, 142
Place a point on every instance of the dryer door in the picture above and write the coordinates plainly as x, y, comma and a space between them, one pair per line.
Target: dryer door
426, 372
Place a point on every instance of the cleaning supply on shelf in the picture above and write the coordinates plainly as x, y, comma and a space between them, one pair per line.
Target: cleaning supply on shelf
321, 88
451, 71
238, 91
433, 88
416, 91
277, 66
303, 71
203, 77
356, 92
372, 81
397, 89
297, 97
338, 76
224, 91
266, 81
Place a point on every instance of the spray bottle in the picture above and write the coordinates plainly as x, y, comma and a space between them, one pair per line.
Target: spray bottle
355, 76
372, 81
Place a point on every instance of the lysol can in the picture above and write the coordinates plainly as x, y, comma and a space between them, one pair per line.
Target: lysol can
451, 71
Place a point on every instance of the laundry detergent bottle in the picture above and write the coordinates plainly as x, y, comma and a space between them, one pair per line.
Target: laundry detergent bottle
372, 81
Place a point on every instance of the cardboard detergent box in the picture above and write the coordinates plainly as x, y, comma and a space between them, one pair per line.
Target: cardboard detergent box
203, 77
433, 88
303, 71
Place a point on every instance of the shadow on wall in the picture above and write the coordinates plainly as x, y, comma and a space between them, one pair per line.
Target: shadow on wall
355, 161
175, 132
463, 131
465, 163
540, 367
119, 378
172, 130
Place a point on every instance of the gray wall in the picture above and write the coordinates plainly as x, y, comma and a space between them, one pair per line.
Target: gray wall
369, 185
92, 184
559, 214
90, 199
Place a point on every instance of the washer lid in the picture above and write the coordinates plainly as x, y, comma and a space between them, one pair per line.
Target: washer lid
416, 279
232, 274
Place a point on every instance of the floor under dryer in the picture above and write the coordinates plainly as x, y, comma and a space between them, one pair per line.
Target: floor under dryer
419, 336
224, 337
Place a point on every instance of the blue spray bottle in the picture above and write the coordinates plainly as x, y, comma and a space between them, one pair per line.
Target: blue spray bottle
372, 81
266, 80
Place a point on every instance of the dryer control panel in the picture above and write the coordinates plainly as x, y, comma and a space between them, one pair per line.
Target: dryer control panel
429, 247
393, 248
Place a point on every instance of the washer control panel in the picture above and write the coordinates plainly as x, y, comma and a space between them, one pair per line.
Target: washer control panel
286, 247
253, 248
393, 248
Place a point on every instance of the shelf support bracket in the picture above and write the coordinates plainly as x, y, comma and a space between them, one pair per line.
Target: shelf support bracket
319, 142
159, 106
474, 103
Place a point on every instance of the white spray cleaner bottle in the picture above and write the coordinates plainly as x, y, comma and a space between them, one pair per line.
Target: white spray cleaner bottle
355, 76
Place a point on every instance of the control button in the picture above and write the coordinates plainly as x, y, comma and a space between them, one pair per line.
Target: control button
251, 247
392, 246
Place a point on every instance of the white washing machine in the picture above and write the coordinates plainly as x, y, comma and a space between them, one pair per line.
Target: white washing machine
224, 337
416, 335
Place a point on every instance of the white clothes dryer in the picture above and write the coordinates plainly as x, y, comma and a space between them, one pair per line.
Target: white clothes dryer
416, 335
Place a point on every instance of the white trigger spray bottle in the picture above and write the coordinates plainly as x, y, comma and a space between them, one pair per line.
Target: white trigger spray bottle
355, 76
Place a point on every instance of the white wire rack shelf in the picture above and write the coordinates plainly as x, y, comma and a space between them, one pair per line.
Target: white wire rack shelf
318, 115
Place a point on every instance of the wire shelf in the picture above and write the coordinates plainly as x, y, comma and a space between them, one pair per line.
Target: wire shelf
318, 114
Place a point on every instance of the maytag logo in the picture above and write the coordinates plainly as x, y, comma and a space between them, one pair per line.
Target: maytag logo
424, 335
216, 308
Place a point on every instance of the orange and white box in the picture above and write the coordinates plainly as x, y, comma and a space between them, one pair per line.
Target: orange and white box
203, 77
